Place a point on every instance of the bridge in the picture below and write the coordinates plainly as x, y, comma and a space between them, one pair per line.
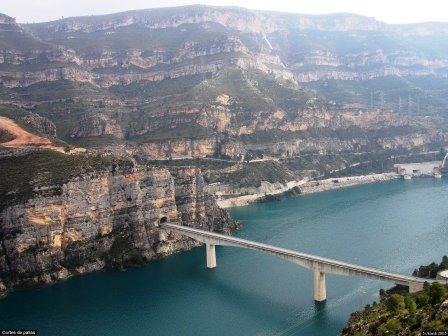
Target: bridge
319, 265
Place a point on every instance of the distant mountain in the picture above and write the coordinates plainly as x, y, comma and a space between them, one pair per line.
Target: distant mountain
225, 81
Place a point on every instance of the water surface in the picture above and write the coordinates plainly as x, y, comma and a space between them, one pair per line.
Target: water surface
395, 226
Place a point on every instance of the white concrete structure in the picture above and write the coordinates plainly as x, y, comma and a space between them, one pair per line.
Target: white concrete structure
418, 169
320, 288
211, 255
318, 265
444, 160
443, 276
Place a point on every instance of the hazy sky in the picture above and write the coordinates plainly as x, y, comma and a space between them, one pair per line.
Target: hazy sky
391, 11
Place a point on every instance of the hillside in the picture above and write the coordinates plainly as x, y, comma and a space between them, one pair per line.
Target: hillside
228, 83
403, 314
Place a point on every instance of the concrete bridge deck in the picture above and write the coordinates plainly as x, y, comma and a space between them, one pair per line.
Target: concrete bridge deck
319, 265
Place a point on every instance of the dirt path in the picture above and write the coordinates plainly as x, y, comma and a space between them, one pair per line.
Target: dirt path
21, 137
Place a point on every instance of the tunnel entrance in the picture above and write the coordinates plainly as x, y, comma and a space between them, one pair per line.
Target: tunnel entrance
161, 220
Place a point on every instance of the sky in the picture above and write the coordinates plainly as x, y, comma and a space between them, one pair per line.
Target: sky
390, 11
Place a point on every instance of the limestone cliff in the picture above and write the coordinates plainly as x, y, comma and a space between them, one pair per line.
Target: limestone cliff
152, 45
228, 84
169, 68
102, 219
97, 125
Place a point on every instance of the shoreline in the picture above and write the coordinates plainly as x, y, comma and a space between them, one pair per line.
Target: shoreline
308, 187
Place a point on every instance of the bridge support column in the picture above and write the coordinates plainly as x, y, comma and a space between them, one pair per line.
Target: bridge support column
211, 255
320, 291
415, 287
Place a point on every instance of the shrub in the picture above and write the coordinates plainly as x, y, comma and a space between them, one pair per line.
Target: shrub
394, 303
410, 304
422, 300
391, 327
437, 293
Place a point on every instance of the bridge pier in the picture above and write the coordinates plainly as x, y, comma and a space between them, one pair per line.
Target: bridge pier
320, 291
415, 287
211, 255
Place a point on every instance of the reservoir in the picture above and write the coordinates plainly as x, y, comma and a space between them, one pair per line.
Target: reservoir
396, 226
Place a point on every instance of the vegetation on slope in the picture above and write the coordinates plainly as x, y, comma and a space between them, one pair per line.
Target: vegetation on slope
5, 136
18, 115
406, 95
96, 141
23, 176
403, 314
348, 133
24, 119
60, 89
246, 175
399, 313
13, 37
183, 131
251, 91
170, 109
139, 37
165, 87
431, 270
205, 164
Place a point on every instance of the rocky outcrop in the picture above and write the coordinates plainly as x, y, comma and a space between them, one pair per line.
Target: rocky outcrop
97, 125
341, 74
238, 18
175, 149
219, 37
286, 144
102, 220
201, 81
19, 78
23, 75
326, 144
46, 60
41, 124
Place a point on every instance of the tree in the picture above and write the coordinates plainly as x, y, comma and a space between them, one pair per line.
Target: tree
428, 271
444, 263
422, 300
437, 292
434, 325
391, 327
394, 303
410, 304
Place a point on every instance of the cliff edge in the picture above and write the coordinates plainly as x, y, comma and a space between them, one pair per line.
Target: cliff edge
88, 213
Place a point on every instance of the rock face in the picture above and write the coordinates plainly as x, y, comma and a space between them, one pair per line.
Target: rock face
138, 46
97, 125
201, 81
178, 149
103, 220
229, 85
41, 124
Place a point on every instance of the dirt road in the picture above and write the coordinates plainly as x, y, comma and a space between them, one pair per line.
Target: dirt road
21, 137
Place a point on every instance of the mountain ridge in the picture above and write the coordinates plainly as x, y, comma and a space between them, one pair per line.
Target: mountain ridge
240, 8
198, 81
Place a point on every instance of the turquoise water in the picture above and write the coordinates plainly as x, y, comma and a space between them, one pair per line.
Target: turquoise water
394, 225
